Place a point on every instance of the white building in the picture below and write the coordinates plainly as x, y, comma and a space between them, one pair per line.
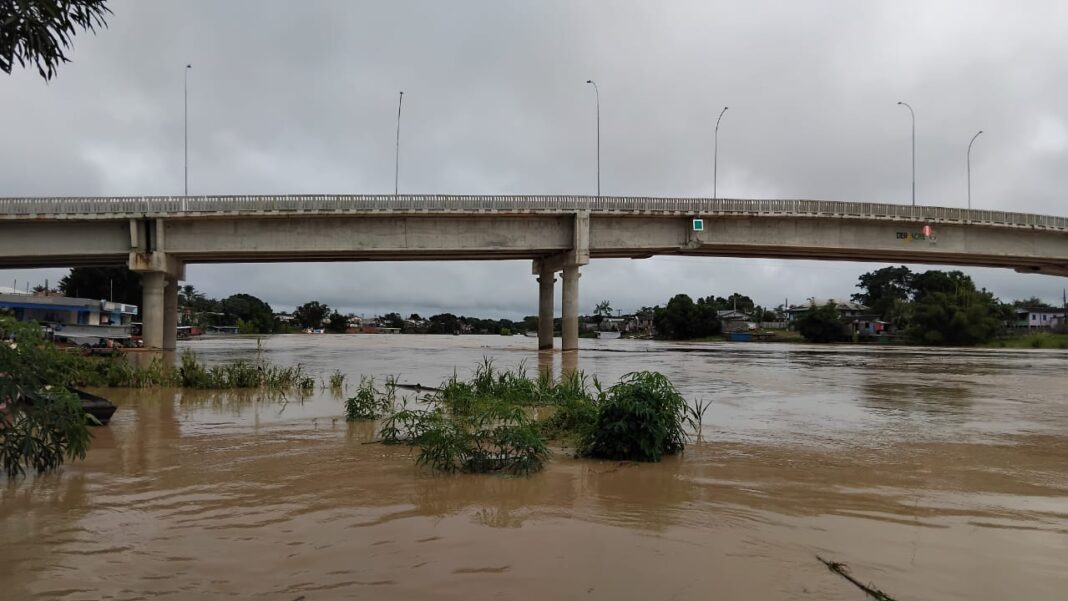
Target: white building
79, 320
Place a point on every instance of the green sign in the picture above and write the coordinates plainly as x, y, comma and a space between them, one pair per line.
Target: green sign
698, 225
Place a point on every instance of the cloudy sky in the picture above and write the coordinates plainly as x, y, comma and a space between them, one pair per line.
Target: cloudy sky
289, 97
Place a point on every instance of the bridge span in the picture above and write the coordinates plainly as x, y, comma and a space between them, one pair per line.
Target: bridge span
158, 236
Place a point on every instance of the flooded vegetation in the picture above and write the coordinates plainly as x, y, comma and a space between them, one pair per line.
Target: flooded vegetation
933, 475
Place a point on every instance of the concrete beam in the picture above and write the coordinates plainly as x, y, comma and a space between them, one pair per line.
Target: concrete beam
157, 262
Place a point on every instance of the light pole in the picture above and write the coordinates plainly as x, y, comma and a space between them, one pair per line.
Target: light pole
970, 168
186, 90
913, 113
715, 157
597, 92
396, 164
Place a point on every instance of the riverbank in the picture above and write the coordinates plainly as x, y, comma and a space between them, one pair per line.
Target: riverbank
1040, 340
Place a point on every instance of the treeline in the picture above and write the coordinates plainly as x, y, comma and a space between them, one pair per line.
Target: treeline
685, 319
250, 314
933, 307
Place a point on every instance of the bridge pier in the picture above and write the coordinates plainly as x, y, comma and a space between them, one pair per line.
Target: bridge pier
160, 274
569, 329
546, 279
153, 284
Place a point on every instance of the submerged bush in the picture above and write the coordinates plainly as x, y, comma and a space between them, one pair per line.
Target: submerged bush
368, 403
642, 418
485, 424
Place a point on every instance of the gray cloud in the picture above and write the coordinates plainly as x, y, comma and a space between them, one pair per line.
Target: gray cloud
289, 98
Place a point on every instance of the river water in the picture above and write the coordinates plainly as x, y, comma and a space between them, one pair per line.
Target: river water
934, 474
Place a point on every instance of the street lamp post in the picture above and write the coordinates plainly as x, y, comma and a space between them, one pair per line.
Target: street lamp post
396, 163
970, 168
715, 157
913, 113
597, 92
186, 119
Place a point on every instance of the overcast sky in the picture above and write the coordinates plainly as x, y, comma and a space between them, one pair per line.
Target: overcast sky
289, 97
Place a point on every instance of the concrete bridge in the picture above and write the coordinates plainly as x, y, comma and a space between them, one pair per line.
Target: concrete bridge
158, 236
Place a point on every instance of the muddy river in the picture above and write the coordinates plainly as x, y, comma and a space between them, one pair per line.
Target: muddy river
932, 474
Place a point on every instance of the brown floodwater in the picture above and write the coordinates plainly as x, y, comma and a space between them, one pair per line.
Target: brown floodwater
932, 474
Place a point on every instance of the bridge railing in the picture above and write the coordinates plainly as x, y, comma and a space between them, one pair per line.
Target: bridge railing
431, 203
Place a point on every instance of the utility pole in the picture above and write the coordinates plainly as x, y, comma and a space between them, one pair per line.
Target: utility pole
913, 113
597, 92
715, 157
396, 165
186, 90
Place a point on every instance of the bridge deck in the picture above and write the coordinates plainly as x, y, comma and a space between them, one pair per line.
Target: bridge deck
195, 206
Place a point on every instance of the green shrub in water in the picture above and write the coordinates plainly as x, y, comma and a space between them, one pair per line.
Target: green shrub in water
642, 418
368, 402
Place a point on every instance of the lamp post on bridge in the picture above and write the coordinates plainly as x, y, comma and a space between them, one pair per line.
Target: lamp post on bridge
597, 92
970, 168
396, 163
715, 156
913, 113
185, 89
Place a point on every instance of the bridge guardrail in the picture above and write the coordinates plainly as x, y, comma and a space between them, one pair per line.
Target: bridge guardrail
176, 205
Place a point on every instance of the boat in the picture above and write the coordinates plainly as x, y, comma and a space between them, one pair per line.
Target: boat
530, 334
608, 335
97, 406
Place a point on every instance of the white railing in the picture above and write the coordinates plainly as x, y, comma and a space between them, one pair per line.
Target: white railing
136, 206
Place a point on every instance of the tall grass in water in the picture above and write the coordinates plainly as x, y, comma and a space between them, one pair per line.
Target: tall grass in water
241, 374
484, 423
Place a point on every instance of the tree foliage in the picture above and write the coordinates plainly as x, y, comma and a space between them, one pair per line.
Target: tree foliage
42, 423
823, 325
683, 319
38, 32
934, 307
98, 283
948, 310
338, 323
255, 315
311, 314
883, 288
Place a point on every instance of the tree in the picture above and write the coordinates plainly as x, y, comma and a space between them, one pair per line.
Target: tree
444, 323
311, 315
603, 309
822, 325
682, 319
392, 320
252, 314
52, 429
39, 31
948, 310
338, 324
98, 282
1033, 303
883, 288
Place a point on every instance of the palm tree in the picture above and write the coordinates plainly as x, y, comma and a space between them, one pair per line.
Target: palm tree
603, 309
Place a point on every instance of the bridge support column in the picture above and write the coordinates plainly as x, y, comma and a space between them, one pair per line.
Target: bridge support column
570, 308
170, 315
152, 328
160, 274
546, 279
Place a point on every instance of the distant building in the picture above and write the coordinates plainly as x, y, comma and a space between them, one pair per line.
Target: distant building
77, 320
853, 313
732, 320
1040, 318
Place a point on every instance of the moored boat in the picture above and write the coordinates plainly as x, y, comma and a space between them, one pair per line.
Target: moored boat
97, 406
